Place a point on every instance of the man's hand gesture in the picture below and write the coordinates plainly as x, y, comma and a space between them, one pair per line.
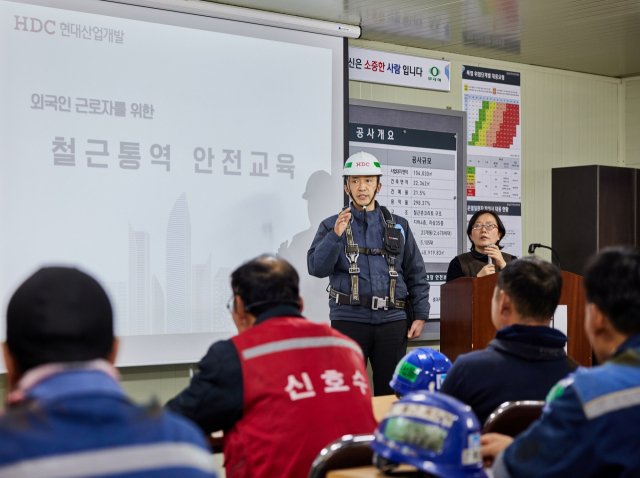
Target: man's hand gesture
342, 221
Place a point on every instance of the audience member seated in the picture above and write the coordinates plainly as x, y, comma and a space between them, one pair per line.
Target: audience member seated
589, 426
421, 369
67, 415
284, 387
527, 357
437, 434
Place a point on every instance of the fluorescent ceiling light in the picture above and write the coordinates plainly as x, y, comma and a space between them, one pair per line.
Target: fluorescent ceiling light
248, 15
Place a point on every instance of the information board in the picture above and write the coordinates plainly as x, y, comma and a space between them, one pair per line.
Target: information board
418, 182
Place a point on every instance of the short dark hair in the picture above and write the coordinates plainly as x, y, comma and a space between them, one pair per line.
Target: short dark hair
265, 282
501, 230
59, 314
612, 282
533, 285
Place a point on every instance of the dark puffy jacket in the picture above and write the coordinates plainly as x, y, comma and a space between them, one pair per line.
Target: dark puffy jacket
326, 257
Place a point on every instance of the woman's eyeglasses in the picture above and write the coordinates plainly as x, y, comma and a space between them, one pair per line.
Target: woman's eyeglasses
488, 227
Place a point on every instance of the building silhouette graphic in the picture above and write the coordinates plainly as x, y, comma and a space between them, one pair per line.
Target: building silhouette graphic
139, 282
178, 293
202, 305
222, 321
117, 293
157, 307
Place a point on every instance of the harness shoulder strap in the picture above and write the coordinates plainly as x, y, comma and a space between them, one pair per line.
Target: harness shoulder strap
391, 258
387, 216
352, 251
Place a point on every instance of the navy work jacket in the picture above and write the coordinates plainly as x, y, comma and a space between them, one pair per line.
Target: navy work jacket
523, 362
589, 426
326, 257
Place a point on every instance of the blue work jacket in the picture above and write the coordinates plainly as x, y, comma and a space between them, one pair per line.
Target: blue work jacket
326, 257
79, 423
589, 426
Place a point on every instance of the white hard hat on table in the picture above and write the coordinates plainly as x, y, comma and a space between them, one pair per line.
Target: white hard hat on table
362, 164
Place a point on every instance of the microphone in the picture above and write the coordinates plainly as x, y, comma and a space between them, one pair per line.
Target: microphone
491, 261
533, 247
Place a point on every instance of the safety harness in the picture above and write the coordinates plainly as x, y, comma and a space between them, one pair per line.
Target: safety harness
393, 246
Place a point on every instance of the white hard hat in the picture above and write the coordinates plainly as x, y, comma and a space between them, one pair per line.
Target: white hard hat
362, 164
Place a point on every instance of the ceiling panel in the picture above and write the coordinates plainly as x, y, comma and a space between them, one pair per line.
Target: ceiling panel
592, 36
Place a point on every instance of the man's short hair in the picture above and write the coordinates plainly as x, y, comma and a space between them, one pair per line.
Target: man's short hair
264, 282
59, 314
533, 285
612, 282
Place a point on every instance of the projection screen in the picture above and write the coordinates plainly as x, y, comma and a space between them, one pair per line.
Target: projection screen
157, 151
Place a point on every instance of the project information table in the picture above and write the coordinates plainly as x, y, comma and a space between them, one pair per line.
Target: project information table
418, 183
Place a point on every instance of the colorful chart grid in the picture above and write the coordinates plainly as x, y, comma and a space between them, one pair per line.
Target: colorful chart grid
493, 122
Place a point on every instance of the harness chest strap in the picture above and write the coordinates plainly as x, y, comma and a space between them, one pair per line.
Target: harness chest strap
352, 252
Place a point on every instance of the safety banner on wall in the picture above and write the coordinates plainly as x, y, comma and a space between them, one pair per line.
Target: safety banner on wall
491, 99
375, 66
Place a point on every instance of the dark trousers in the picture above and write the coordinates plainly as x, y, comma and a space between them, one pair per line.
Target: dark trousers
383, 344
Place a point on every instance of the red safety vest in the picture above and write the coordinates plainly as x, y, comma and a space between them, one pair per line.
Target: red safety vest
305, 385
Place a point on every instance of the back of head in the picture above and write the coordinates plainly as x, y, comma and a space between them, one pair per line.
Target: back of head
265, 282
612, 282
533, 285
59, 314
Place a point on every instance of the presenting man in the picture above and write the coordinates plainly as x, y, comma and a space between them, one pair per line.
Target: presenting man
589, 426
376, 272
284, 387
527, 357
67, 415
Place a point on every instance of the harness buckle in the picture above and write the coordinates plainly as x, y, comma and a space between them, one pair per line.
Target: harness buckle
376, 252
379, 303
393, 274
352, 254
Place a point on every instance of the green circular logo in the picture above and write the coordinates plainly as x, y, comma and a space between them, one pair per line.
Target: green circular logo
434, 71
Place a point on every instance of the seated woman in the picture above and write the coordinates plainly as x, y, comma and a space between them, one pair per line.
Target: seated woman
485, 230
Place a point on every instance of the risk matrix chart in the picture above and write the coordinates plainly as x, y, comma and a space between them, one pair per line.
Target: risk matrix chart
492, 100
493, 123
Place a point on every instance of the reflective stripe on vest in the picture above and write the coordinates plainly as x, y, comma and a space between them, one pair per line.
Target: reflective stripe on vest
612, 402
113, 461
299, 343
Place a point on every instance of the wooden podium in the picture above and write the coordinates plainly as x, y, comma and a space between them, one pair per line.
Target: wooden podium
465, 316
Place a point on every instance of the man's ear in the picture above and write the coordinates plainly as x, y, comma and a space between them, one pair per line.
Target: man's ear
13, 372
505, 304
598, 322
379, 187
301, 304
241, 314
111, 357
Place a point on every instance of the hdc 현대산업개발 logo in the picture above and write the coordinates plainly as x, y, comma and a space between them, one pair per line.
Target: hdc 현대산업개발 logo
68, 29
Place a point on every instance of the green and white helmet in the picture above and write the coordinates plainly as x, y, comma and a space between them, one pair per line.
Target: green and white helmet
362, 164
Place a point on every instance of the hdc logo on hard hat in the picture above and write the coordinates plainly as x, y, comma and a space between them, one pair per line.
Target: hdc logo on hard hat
363, 164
